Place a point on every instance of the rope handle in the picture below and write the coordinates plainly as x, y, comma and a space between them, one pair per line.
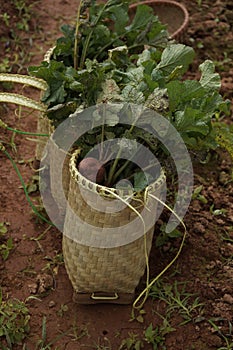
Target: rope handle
150, 284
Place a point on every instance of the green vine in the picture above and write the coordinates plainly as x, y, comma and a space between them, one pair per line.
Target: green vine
3, 149
21, 132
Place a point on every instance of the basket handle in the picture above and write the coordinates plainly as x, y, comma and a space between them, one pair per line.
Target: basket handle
115, 296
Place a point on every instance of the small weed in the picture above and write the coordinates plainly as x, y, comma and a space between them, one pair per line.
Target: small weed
132, 343
153, 336
226, 61
197, 194
227, 338
139, 317
33, 184
40, 237
102, 344
5, 248
178, 300
63, 309
78, 332
53, 262
5, 67
6, 245
14, 321
156, 336
164, 237
227, 237
217, 212
5, 17
43, 344
200, 45
16, 56
3, 228
24, 13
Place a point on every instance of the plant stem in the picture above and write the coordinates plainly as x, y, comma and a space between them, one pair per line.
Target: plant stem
76, 36
5, 126
25, 132
111, 175
86, 44
102, 134
126, 164
113, 167
119, 171
122, 168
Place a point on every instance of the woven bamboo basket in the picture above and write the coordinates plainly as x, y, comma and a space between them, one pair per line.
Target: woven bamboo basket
55, 160
44, 126
103, 274
172, 13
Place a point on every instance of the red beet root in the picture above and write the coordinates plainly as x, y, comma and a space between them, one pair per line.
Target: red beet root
92, 169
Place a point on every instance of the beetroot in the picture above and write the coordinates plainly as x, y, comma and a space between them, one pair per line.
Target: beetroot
92, 169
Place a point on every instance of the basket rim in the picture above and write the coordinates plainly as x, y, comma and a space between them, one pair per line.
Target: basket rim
104, 190
169, 3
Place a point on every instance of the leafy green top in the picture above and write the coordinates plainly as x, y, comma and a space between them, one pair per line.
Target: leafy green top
106, 28
104, 59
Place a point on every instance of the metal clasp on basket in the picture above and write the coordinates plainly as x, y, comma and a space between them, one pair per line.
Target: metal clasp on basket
115, 296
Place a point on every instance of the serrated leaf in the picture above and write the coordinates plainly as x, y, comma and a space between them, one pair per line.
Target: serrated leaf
150, 333
210, 80
101, 35
119, 14
56, 92
173, 56
143, 16
110, 92
131, 94
144, 57
181, 93
158, 101
190, 120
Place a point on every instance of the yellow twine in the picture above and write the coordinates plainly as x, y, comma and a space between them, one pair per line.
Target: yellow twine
150, 284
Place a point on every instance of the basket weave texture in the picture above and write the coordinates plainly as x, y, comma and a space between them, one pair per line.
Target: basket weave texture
55, 154
117, 269
43, 127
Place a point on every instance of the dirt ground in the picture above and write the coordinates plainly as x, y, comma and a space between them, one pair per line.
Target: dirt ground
34, 271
